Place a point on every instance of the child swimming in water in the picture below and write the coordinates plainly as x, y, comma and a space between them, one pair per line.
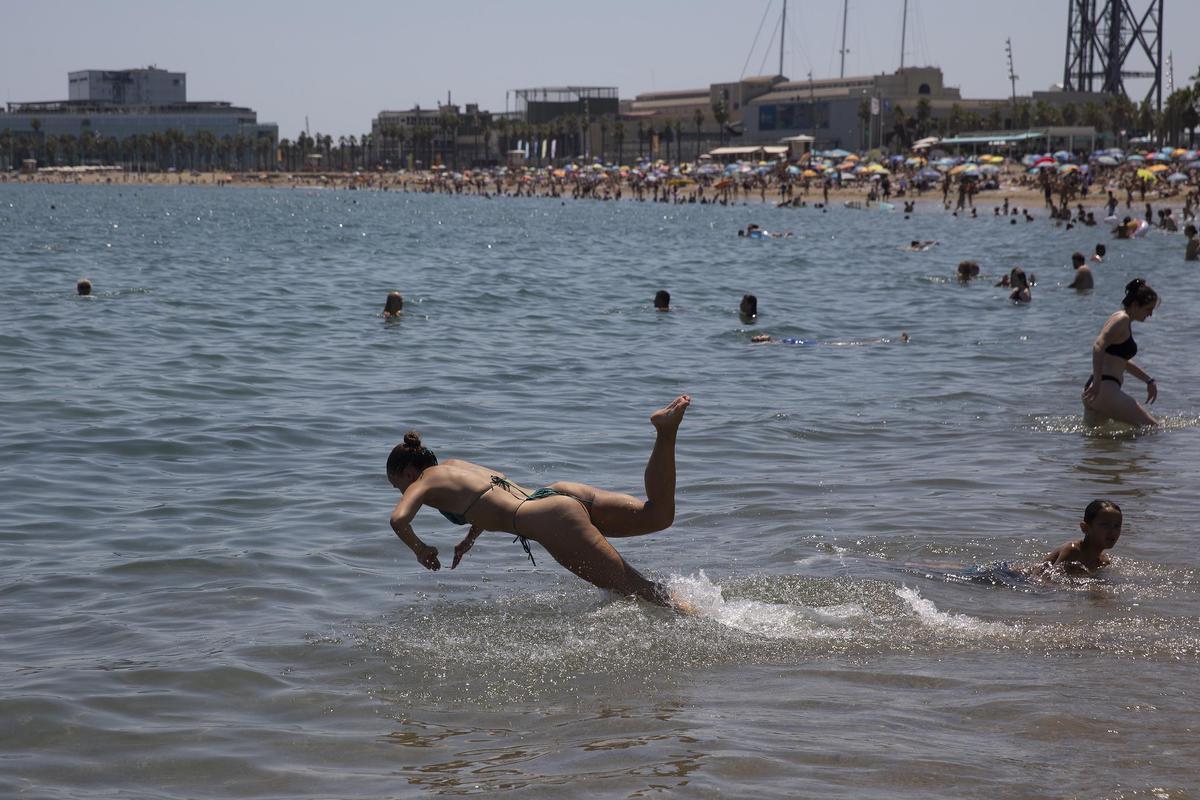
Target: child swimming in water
1101, 526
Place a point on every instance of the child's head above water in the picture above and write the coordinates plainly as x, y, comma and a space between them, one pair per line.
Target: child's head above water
1101, 523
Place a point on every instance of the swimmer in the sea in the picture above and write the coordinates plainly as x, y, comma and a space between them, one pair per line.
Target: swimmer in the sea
1101, 526
1112, 357
918, 246
748, 308
967, 270
83, 287
1192, 252
1100, 252
393, 305
1020, 286
573, 521
1083, 274
662, 300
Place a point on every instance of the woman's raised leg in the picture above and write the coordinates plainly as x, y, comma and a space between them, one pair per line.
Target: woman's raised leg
617, 515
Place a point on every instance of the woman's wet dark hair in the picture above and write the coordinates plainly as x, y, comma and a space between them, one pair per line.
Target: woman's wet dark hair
749, 305
662, 299
1138, 291
1096, 506
410, 452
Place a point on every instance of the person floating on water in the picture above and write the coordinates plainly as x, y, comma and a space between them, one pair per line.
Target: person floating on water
1112, 357
1101, 526
573, 521
918, 246
393, 305
662, 300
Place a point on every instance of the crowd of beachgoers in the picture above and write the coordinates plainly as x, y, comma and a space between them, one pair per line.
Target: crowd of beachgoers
1162, 175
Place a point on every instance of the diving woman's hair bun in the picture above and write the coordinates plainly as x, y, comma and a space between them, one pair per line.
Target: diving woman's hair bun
412, 440
1134, 284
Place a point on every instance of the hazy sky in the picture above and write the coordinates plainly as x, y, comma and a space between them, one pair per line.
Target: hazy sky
340, 63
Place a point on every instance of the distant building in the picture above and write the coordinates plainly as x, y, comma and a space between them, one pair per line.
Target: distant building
128, 87
549, 104
446, 135
111, 114
884, 110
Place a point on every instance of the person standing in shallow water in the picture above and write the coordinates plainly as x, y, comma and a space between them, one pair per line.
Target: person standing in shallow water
1112, 357
573, 521
1083, 274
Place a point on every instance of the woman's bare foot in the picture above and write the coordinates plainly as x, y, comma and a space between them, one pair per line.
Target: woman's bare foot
667, 418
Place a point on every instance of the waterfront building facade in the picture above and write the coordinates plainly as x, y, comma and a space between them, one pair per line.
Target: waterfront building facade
136, 118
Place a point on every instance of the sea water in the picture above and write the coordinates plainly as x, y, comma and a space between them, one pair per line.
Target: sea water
202, 597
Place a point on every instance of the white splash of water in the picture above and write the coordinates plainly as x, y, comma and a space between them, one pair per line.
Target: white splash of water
769, 620
930, 616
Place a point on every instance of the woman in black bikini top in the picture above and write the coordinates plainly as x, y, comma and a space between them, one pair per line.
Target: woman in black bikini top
573, 521
1112, 357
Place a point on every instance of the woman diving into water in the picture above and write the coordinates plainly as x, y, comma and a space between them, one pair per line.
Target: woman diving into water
573, 521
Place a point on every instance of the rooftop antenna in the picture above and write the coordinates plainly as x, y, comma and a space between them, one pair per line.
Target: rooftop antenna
1012, 77
845, 13
903, 32
782, 31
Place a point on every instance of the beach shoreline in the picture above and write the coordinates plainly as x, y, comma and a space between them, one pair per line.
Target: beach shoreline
1019, 196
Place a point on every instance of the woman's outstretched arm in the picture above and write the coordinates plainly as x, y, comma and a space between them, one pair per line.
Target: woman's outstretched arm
401, 521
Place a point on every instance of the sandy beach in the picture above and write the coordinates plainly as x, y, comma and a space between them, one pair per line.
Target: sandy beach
1014, 186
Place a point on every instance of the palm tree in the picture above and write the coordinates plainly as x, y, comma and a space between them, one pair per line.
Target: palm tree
603, 138
678, 140
36, 125
619, 138
641, 132
720, 116
698, 120
864, 117
924, 114
70, 148
502, 126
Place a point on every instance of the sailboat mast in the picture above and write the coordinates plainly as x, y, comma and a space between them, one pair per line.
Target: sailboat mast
845, 13
903, 33
782, 31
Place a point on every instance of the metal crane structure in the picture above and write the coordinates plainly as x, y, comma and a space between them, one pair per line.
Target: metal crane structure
1105, 38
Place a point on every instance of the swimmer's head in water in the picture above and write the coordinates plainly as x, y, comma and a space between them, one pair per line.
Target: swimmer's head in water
1078, 260
662, 300
1101, 250
1101, 523
83, 287
1189, 231
409, 453
749, 305
394, 303
1140, 300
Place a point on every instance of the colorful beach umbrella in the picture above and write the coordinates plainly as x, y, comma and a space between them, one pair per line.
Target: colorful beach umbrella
1146, 174
1176, 177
